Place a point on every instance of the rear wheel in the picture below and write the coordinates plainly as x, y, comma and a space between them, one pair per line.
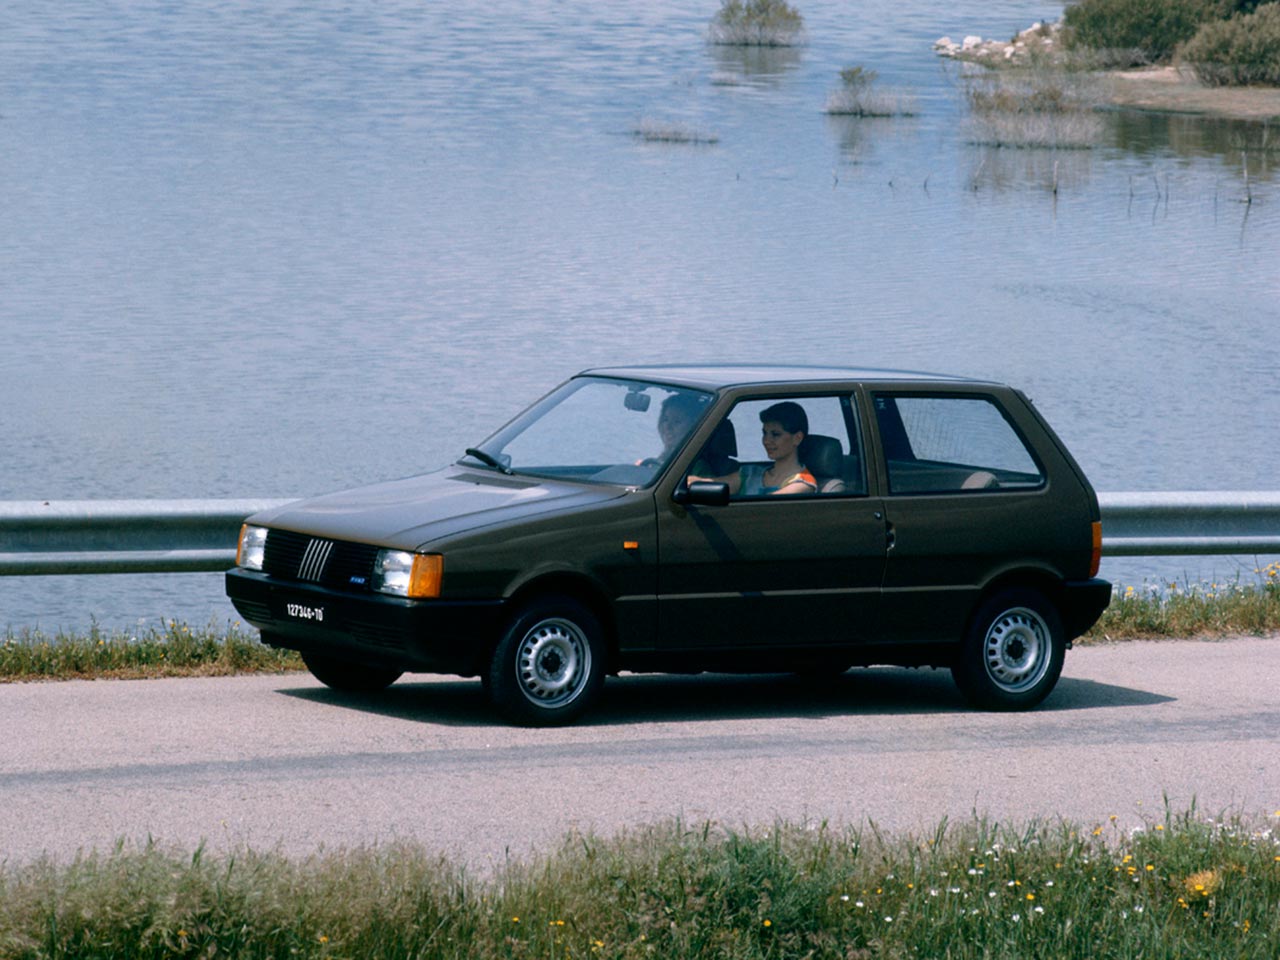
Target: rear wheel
549, 665
347, 676
1012, 656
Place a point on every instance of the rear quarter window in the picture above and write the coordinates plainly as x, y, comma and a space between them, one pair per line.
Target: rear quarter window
952, 444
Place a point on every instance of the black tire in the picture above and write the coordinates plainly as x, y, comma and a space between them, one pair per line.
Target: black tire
348, 677
1012, 654
549, 665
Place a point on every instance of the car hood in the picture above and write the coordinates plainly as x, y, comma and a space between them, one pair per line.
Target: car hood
414, 511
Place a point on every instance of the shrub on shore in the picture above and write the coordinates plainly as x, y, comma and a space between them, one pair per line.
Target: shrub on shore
1180, 886
1133, 32
1237, 52
756, 23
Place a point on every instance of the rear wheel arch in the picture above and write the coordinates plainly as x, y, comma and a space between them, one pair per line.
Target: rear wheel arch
1044, 582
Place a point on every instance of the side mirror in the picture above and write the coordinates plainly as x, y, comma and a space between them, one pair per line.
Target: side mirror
703, 493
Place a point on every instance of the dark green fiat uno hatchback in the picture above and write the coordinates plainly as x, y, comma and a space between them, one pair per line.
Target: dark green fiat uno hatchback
683, 519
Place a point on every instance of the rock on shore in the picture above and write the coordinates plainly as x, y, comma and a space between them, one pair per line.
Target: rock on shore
1039, 38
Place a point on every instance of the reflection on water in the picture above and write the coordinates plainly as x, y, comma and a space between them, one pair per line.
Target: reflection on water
1050, 170
262, 254
1215, 138
757, 63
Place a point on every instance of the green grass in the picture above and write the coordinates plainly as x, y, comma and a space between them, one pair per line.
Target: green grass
173, 650
1180, 887
1207, 609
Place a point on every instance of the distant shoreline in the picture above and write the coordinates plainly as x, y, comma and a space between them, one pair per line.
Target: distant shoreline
1166, 89
1175, 90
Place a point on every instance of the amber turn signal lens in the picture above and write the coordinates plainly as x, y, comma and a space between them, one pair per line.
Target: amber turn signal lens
425, 577
1095, 562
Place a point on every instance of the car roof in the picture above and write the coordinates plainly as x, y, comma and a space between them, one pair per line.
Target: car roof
717, 376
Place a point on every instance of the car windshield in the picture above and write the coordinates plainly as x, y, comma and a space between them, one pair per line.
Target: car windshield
598, 429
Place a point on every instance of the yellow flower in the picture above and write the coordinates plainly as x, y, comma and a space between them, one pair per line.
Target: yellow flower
515, 919
323, 938
768, 923
1204, 882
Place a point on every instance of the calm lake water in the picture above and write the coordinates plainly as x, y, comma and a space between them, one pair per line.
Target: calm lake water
257, 251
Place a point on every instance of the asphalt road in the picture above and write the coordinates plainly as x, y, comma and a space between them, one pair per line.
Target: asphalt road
283, 762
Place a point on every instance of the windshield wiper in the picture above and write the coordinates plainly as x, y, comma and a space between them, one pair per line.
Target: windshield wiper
488, 460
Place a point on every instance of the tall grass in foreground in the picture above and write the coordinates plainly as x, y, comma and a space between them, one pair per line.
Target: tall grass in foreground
1184, 887
172, 650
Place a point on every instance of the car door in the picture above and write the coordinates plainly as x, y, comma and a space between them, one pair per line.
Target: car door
964, 502
776, 571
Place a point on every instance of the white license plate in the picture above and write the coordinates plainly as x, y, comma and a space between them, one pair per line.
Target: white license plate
300, 611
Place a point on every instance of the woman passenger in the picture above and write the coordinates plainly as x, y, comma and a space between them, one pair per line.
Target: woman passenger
783, 428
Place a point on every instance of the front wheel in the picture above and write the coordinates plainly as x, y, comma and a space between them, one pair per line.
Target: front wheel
549, 664
348, 677
1012, 655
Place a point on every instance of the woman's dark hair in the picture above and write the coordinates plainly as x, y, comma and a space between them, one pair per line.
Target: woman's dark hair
789, 414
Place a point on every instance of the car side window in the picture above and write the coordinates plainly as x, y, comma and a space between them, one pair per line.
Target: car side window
952, 445
829, 456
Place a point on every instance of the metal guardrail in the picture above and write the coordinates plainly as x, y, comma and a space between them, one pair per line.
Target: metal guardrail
1164, 524
181, 536
121, 536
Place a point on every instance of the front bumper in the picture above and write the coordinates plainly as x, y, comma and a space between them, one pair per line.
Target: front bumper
1082, 604
436, 636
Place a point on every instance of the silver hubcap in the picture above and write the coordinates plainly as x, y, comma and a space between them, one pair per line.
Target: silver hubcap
553, 663
1016, 651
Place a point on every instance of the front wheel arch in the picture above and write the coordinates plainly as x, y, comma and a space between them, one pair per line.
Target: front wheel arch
1012, 652
574, 587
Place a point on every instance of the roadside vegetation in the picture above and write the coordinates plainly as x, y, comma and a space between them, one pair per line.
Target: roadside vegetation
1148, 612
172, 650
1205, 609
1182, 886
756, 23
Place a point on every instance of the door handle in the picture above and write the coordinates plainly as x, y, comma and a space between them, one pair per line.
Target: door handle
890, 536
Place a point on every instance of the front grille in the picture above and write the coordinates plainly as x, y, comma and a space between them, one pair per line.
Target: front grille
335, 564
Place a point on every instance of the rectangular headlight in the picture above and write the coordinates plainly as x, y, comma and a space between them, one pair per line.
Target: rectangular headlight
252, 550
403, 574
